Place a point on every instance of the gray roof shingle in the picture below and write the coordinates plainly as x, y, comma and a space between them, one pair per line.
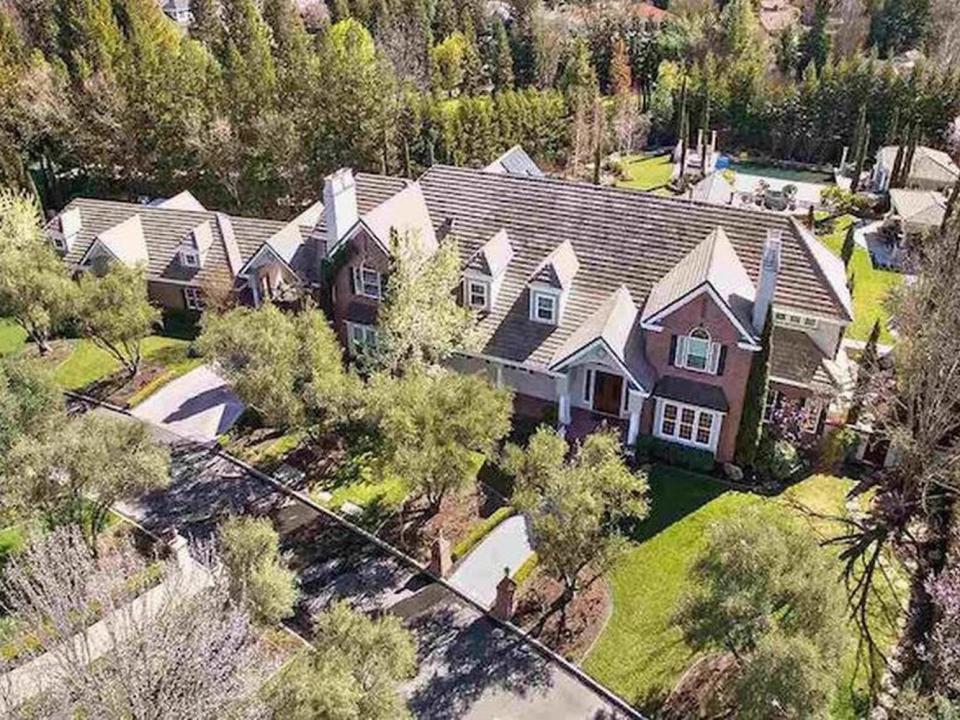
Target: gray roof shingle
620, 237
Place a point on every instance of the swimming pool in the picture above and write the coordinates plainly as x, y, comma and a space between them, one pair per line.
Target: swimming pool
780, 173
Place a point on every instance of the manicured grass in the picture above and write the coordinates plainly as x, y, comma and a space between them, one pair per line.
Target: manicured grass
87, 363
479, 531
174, 355
871, 286
12, 337
641, 653
646, 173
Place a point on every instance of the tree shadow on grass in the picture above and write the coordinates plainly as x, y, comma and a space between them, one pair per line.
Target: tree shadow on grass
673, 495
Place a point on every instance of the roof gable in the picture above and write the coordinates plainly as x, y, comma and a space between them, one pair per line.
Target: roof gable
558, 268
124, 242
406, 214
493, 257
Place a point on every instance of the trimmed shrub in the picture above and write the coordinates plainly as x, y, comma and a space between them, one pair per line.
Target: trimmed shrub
651, 448
778, 459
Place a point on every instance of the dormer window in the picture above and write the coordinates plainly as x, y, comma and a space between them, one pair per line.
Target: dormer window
543, 307
478, 294
189, 258
59, 243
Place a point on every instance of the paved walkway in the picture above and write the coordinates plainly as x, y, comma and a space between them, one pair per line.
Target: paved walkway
199, 406
506, 547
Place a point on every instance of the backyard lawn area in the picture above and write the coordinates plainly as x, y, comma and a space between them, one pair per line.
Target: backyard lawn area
12, 337
641, 653
871, 286
646, 173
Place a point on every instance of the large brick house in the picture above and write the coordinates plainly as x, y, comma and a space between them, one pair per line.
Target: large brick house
600, 302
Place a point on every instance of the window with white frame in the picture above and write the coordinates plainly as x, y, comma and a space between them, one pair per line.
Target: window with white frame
478, 294
773, 397
189, 258
795, 320
59, 242
688, 424
367, 282
193, 298
812, 408
361, 336
697, 352
544, 307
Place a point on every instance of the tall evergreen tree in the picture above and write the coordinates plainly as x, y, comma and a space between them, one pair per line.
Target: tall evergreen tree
866, 366
502, 65
816, 44
444, 18
249, 70
755, 399
206, 26
90, 38
849, 243
473, 75
621, 79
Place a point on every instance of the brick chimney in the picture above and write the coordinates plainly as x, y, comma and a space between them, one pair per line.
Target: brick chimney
339, 205
440, 561
503, 606
767, 282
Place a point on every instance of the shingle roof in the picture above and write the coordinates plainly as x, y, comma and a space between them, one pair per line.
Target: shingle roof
713, 262
493, 257
620, 237
515, 161
558, 268
406, 214
234, 240
124, 241
796, 359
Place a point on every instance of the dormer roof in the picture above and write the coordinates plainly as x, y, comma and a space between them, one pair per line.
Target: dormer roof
182, 201
406, 214
124, 242
70, 222
558, 268
493, 257
201, 237
712, 264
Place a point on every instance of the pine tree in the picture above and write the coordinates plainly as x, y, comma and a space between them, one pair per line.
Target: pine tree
444, 18
206, 26
90, 38
816, 46
861, 159
849, 243
473, 75
249, 69
502, 58
755, 398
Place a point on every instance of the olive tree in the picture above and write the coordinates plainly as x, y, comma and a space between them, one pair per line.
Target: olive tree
116, 314
74, 476
31, 402
287, 368
352, 670
438, 427
259, 576
35, 288
576, 507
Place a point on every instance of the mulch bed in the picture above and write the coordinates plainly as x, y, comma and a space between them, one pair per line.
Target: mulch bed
539, 613
704, 690
414, 531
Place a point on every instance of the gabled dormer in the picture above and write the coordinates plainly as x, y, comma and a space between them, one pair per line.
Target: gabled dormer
192, 251
65, 229
549, 284
484, 272
124, 243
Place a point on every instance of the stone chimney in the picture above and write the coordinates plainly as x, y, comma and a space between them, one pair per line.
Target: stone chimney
503, 606
339, 205
440, 561
767, 282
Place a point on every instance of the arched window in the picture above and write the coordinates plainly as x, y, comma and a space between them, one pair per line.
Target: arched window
698, 349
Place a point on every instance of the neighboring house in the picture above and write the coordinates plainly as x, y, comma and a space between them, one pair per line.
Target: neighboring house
714, 189
777, 15
515, 161
916, 212
930, 170
178, 11
596, 301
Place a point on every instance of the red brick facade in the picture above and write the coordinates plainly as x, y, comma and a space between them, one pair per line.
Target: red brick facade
349, 305
703, 312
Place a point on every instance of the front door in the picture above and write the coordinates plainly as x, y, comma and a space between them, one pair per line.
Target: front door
607, 393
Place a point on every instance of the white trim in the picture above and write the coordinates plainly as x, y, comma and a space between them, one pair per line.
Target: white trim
791, 383
360, 285
193, 297
510, 364
367, 331
186, 255
245, 270
704, 287
535, 294
98, 243
469, 284
715, 427
572, 358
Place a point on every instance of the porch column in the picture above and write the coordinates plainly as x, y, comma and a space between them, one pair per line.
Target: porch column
635, 407
254, 288
563, 393
499, 375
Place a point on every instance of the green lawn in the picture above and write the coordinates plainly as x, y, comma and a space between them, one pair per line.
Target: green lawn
646, 173
641, 653
12, 337
871, 286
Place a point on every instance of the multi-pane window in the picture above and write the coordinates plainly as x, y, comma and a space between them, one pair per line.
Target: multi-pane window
367, 282
544, 307
193, 298
698, 350
478, 294
362, 336
189, 258
794, 320
687, 424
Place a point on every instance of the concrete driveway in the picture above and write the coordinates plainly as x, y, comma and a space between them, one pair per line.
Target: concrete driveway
506, 547
198, 406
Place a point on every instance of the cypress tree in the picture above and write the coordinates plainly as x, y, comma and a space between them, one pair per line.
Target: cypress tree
621, 81
206, 26
502, 58
473, 77
444, 19
866, 364
846, 252
755, 399
861, 159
